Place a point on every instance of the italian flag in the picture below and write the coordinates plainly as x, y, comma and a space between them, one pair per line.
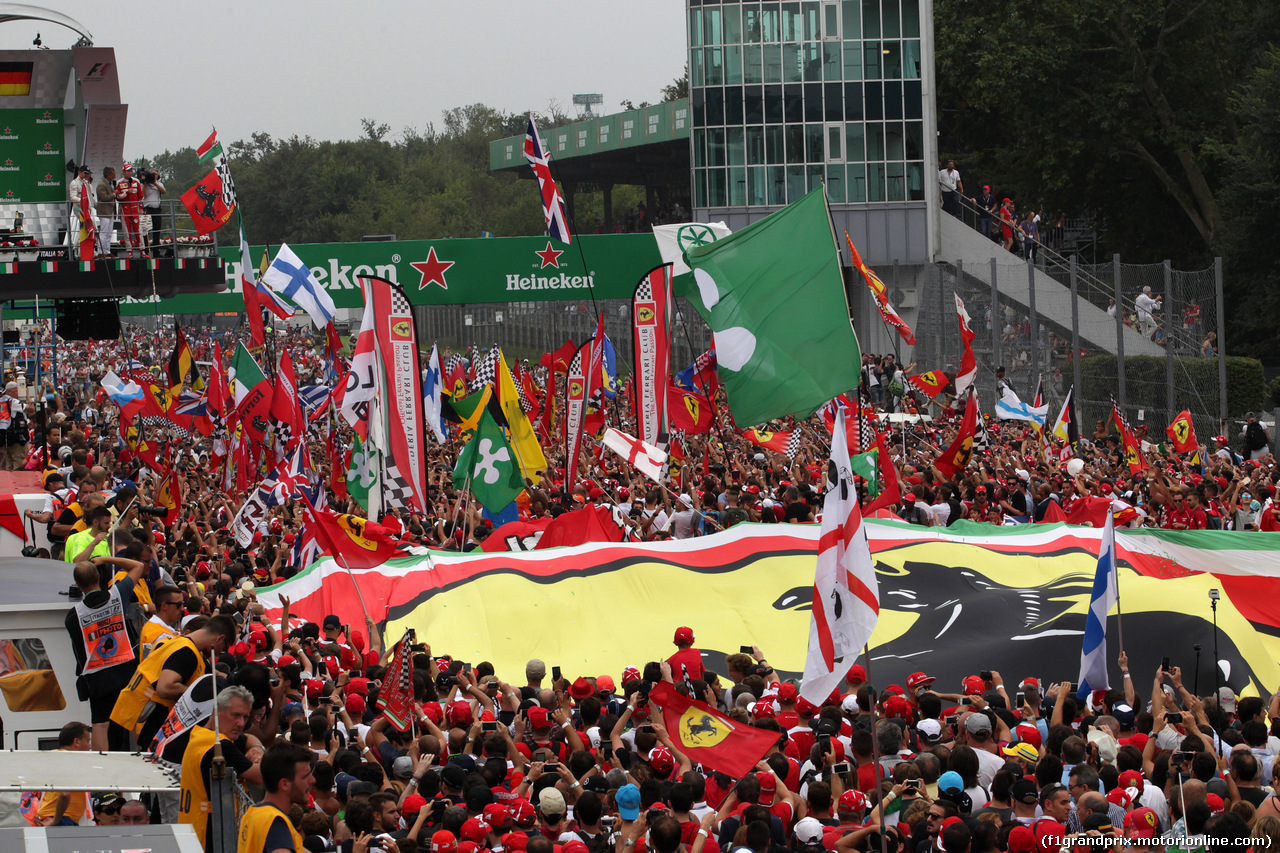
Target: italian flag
8, 267
210, 148
48, 266
251, 392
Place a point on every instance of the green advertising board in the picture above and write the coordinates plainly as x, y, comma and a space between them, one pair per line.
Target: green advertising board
31, 157
451, 272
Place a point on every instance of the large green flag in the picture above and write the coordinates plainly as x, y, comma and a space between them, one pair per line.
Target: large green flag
488, 467
365, 474
867, 466
773, 295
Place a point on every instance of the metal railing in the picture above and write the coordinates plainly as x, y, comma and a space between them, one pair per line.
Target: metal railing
48, 230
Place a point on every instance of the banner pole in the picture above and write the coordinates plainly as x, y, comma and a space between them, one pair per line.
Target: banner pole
1114, 572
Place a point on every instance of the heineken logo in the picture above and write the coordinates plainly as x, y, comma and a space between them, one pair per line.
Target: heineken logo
550, 256
8, 134
553, 282
433, 270
693, 235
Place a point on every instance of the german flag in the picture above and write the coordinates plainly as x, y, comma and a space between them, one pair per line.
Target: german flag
181, 363
15, 78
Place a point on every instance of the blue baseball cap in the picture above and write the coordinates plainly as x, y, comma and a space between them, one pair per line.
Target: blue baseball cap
628, 800
950, 781
294, 708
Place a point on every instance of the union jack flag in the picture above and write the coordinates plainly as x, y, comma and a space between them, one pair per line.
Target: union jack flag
552, 202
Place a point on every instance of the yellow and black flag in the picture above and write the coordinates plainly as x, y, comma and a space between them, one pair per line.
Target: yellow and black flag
182, 362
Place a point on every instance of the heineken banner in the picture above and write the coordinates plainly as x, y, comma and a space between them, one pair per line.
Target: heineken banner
963, 598
32, 162
453, 272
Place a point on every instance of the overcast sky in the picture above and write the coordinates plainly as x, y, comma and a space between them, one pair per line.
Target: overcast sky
316, 68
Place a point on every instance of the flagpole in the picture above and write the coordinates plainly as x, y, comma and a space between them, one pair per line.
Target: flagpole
1115, 578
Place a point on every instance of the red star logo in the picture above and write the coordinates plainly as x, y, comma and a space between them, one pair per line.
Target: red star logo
47, 114
432, 269
8, 130
8, 162
550, 256
48, 177
9, 194
48, 145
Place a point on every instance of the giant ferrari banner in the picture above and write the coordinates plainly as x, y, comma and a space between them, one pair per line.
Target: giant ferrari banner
953, 601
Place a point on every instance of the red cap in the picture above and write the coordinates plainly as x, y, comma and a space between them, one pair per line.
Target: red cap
332, 665
314, 687
241, 649
433, 712
357, 641
413, 804
1120, 797
897, 707
1029, 682
916, 680
1021, 839
1141, 823
1131, 779
459, 714
853, 800
496, 814
768, 787
358, 685
1216, 806
974, 686
581, 688
630, 674
683, 636
475, 829
604, 684
371, 658
1049, 834
443, 842
857, 673
788, 692
355, 705
762, 710
515, 841
538, 717
661, 760
805, 708
895, 689
260, 640
1028, 733
522, 811
285, 660
1137, 739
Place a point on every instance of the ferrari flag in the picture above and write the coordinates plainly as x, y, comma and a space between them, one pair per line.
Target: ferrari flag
708, 737
650, 316
1182, 432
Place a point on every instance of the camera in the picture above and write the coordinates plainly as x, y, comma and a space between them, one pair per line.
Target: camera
148, 176
154, 511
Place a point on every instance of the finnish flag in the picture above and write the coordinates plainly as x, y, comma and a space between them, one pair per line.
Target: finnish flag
292, 279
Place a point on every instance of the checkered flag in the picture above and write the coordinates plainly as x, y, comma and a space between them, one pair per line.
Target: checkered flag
486, 371
981, 439
793, 444
518, 375
396, 490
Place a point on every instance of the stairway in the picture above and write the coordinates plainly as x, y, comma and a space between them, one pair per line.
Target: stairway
1053, 300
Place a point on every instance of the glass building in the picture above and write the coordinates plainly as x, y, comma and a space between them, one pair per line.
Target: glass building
787, 95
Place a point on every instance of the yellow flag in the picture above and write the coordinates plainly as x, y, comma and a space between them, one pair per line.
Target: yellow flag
523, 439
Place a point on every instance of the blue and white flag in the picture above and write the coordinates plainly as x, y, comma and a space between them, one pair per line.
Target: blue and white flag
292, 279
1010, 408
432, 383
1093, 656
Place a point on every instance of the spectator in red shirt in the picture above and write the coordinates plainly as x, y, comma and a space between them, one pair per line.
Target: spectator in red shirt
688, 660
1199, 519
1176, 516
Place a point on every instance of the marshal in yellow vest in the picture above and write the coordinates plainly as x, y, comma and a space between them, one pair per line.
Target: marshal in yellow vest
142, 687
257, 823
193, 802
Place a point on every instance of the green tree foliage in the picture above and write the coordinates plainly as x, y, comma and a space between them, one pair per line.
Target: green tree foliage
422, 184
1125, 111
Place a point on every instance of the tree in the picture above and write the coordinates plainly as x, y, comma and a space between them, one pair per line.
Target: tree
1250, 196
1099, 106
677, 88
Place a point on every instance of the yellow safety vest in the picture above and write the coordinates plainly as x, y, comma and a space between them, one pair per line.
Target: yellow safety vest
154, 633
257, 823
142, 687
193, 801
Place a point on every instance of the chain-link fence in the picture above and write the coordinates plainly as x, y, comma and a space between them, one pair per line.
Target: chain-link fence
529, 329
1157, 358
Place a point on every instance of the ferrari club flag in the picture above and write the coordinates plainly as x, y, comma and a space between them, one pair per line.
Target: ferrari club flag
650, 313
846, 596
708, 737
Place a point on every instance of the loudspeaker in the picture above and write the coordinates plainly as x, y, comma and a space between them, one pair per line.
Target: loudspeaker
88, 319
